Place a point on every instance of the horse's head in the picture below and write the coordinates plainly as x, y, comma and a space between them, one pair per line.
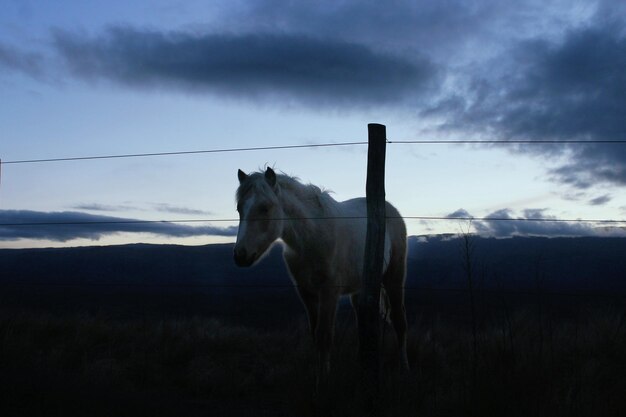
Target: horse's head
260, 216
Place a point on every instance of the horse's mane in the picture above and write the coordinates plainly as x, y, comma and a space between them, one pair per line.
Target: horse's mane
303, 191
290, 185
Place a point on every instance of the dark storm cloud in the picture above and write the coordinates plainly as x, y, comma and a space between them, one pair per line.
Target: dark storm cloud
533, 222
253, 65
600, 201
543, 90
78, 225
534, 71
437, 27
13, 59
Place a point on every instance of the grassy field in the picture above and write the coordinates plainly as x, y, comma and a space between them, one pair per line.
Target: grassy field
524, 363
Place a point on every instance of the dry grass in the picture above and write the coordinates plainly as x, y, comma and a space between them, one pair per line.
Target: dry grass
527, 365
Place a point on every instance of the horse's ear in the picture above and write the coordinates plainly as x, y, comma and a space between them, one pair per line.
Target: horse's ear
270, 176
242, 176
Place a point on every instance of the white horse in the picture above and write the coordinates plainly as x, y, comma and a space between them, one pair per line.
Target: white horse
324, 247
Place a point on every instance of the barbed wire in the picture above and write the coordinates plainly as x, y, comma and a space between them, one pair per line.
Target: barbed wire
194, 152
302, 146
506, 142
313, 145
234, 220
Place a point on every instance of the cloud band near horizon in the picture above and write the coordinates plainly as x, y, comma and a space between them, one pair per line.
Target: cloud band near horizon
68, 225
534, 223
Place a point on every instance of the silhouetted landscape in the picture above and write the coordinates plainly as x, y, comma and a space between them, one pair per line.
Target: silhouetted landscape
174, 330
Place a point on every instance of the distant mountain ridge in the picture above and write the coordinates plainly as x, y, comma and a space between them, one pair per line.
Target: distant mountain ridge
522, 263
580, 264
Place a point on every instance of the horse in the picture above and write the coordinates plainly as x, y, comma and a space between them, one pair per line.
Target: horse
324, 248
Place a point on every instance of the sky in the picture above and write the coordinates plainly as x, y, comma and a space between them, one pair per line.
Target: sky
83, 78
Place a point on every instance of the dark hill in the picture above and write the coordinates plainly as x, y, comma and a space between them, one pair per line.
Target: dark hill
517, 263
139, 264
556, 264
204, 280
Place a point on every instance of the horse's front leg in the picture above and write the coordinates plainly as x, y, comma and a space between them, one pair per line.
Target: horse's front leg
310, 299
325, 330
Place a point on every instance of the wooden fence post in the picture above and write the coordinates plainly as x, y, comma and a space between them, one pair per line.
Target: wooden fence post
369, 299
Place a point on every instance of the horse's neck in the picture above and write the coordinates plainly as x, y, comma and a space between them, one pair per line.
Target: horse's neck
303, 228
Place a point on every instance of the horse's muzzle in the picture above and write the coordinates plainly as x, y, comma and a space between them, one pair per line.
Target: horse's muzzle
241, 257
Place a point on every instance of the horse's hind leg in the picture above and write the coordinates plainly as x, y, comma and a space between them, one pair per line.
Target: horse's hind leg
326, 328
394, 286
398, 319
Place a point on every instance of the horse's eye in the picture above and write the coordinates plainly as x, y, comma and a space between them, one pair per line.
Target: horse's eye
264, 209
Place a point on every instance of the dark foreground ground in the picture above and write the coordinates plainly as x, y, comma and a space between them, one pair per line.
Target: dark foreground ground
533, 356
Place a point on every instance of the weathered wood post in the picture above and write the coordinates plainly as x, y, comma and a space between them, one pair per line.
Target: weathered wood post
369, 299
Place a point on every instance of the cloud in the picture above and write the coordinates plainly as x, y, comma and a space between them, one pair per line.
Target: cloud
13, 59
256, 65
459, 214
549, 71
534, 222
105, 207
77, 225
600, 201
167, 208
537, 71
160, 207
451, 31
572, 88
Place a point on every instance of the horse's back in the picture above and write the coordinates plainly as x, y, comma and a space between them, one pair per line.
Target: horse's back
395, 227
